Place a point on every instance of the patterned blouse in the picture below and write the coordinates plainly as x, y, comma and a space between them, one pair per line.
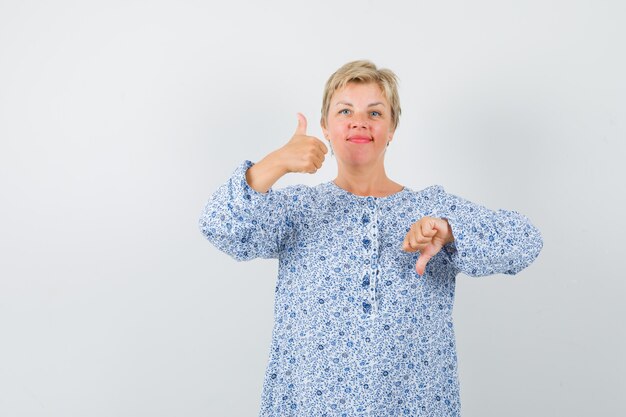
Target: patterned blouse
357, 331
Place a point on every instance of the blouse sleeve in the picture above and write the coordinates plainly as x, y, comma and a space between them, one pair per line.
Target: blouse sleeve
244, 223
487, 242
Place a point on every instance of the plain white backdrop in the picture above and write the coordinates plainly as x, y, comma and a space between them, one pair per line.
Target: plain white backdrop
118, 119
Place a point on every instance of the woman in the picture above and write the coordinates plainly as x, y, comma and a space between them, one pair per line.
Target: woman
367, 267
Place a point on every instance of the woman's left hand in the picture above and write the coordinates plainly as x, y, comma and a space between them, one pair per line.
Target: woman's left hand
427, 235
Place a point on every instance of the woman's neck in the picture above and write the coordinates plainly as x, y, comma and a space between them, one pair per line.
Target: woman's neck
366, 182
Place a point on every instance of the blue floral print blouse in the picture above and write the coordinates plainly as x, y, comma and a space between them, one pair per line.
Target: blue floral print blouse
357, 331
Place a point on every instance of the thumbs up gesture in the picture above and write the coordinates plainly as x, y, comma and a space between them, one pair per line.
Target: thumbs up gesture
302, 153
427, 235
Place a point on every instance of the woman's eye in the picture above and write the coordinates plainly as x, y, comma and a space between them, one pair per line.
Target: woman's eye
375, 113
344, 111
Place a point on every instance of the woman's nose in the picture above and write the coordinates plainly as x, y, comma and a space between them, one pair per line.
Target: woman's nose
358, 121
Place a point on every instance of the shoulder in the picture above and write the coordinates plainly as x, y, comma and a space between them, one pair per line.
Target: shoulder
301, 196
427, 201
430, 193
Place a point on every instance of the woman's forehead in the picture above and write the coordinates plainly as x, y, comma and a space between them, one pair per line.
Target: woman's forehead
357, 93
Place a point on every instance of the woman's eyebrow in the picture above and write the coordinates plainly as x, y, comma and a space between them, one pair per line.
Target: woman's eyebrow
345, 103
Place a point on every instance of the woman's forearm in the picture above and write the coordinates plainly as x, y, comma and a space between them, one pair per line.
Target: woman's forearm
263, 174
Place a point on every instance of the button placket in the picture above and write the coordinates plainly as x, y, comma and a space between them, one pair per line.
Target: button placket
373, 234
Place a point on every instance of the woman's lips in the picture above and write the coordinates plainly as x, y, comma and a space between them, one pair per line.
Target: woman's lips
359, 139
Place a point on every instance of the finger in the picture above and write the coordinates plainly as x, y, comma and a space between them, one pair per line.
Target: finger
413, 241
420, 265
314, 163
317, 162
323, 146
443, 227
421, 239
405, 244
301, 129
427, 229
412, 238
317, 152
440, 224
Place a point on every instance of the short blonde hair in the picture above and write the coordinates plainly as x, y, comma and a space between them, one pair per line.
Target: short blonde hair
364, 71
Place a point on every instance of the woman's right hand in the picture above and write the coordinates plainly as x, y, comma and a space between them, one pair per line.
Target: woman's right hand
302, 153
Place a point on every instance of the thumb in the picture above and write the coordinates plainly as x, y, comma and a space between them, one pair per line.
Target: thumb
420, 265
301, 129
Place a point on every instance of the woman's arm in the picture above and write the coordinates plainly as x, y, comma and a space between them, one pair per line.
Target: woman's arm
262, 175
245, 218
245, 223
487, 242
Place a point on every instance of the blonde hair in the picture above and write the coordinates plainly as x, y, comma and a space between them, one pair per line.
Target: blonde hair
364, 71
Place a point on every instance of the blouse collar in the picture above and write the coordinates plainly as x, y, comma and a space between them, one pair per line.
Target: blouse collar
347, 194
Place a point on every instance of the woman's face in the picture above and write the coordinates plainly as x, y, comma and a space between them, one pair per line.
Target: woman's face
359, 124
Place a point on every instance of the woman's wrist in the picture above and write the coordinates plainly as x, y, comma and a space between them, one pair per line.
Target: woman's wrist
263, 174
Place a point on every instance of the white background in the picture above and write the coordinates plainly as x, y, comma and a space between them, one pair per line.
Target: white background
118, 119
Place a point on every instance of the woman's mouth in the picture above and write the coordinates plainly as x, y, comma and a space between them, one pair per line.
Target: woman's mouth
359, 139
